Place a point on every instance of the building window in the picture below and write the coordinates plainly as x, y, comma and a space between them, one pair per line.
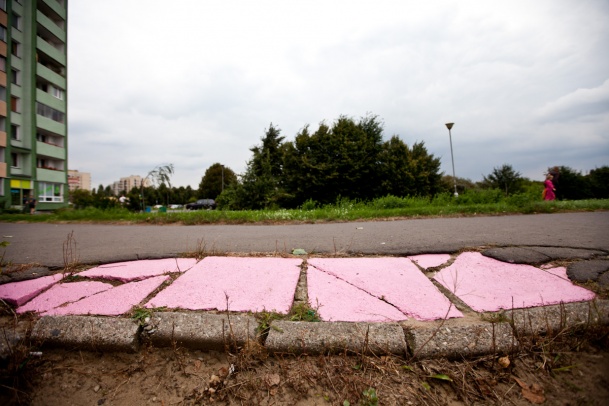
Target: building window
2, 123
57, 92
16, 49
2, 93
15, 132
15, 104
15, 77
2, 64
15, 160
16, 21
50, 192
2, 33
3, 5
49, 112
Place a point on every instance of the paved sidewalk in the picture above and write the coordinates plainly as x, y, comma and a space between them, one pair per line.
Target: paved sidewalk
428, 305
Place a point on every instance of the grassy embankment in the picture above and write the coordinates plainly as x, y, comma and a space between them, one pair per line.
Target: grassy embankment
469, 204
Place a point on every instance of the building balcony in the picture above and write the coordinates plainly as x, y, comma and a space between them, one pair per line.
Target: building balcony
51, 101
50, 25
52, 77
2, 139
3, 170
50, 175
56, 7
50, 125
50, 150
51, 51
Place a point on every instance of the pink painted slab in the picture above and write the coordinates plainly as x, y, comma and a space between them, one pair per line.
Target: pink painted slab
251, 284
486, 284
138, 270
427, 261
63, 293
18, 293
396, 280
112, 302
337, 300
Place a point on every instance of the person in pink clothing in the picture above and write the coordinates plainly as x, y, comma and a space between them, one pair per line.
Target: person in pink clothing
549, 188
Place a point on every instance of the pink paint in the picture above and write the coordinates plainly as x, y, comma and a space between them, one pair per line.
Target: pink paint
112, 302
427, 261
138, 270
486, 284
560, 271
63, 293
395, 280
18, 293
337, 300
251, 284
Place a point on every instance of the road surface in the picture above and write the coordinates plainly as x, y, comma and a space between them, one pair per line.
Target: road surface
101, 243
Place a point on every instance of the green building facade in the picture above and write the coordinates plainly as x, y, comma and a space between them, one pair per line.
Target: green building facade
33, 103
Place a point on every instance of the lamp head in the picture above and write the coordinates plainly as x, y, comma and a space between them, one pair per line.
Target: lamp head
449, 125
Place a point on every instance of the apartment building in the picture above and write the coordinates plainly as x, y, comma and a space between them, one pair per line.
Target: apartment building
33, 103
79, 180
128, 183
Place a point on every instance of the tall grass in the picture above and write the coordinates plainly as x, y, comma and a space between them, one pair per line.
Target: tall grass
473, 202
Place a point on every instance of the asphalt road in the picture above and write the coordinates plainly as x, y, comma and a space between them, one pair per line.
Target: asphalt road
99, 243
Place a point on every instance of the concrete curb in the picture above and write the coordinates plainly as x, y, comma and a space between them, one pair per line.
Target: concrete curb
498, 332
200, 330
320, 338
90, 333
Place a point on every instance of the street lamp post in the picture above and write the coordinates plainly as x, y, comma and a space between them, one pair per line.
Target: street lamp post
449, 126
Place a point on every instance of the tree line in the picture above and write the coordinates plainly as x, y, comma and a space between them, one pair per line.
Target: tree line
348, 159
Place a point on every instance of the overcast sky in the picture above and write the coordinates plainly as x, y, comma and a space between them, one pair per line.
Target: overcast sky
193, 82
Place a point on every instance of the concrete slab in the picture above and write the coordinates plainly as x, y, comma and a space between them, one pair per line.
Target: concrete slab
18, 293
295, 337
138, 270
337, 300
516, 255
17, 273
202, 331
427, 261
112, 302
460, 341
547, 319
396, 281
88, 333
585, 271
241, 284
556, 253
62, 293
485, 284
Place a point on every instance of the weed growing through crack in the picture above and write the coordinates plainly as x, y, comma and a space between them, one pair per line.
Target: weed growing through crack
70, 256
141, 315
304, 312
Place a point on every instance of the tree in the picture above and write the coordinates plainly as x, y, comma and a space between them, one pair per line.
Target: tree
572, 185
260, 185
337, 161
159, 175
599, 182
504, 178
217, 177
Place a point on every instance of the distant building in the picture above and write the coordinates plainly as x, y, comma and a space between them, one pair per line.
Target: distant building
79, 180
33, 102
128, 183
